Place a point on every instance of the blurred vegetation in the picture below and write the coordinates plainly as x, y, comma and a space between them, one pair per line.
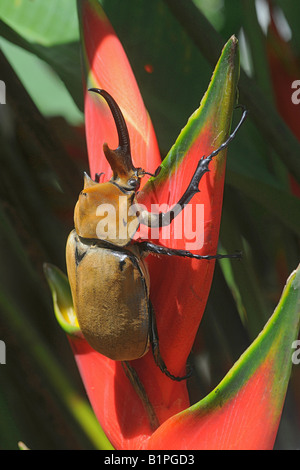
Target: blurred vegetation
43, 156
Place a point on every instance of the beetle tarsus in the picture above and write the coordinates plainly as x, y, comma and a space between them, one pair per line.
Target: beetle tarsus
193, 187
161, 364
203, 164
156, 351
155, 174
232, 135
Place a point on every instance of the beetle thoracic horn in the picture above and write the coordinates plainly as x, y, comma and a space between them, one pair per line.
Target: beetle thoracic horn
123, 151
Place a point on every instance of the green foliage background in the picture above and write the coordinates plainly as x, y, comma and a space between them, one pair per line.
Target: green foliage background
43, 155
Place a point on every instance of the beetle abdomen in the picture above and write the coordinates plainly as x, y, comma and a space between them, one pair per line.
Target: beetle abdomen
110, 297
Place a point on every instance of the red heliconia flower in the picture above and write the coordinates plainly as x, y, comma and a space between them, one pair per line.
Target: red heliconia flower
244, 410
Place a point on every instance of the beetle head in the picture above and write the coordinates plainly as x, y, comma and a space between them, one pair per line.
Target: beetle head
124, 172
119, 196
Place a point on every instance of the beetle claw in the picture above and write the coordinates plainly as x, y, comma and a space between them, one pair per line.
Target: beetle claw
88, 180
156, 352
161, 364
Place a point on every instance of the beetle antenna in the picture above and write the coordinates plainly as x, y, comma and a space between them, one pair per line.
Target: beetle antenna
124, 141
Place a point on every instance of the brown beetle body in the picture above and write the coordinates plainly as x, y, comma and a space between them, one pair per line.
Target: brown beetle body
111, 297
108, 276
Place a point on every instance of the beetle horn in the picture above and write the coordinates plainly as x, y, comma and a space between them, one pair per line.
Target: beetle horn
88, 181
119, 159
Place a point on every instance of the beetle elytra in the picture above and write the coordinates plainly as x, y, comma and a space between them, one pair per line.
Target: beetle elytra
108, 275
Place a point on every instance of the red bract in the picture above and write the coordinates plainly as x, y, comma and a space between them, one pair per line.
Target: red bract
242, 412
158, 416
105, 64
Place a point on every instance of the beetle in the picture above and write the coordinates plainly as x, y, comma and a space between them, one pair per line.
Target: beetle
108, 275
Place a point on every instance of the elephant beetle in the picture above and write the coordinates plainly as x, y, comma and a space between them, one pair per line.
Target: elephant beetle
108, 275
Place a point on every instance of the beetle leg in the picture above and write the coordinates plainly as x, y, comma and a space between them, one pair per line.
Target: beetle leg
155, 174
156, 351
141, 392
165, 218
162, 250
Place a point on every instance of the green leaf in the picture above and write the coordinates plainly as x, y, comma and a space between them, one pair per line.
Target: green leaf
45, 87
63, 58
40, 21
62, 299
275, 199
